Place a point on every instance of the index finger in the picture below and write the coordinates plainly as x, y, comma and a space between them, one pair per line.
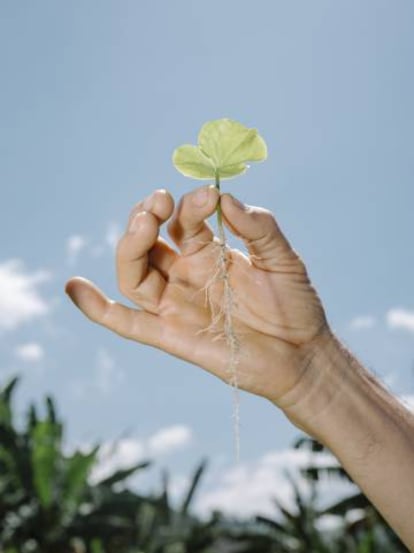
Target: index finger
137, 279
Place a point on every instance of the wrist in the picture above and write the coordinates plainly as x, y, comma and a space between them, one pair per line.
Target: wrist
325, 368
343, 406
338, 400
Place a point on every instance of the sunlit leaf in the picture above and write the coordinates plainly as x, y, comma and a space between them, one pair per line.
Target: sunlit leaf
191, 162
228, 142
224, 148
230, 171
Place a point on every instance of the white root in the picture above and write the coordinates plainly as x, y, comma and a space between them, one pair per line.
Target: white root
222, 316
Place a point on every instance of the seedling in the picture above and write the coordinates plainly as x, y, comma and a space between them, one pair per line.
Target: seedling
224, 148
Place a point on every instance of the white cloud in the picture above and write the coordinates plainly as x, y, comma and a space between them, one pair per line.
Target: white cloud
107, 242
77, 243
113, 234
117, 455
330, 524
400, 318
362, 322
249, 488
126, 452
170, 439
20, 300
74, 245
30, 352
244, 490
354, 515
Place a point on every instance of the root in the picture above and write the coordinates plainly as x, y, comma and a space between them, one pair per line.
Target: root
222, 317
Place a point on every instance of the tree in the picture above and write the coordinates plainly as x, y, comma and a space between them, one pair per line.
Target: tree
49, 505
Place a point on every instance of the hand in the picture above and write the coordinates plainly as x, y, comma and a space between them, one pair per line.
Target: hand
277, 314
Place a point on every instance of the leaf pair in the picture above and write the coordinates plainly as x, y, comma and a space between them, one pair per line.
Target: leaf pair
224, 148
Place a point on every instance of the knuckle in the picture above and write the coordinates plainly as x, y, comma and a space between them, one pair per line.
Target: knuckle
184, 228
136, 209
269, 222
122, 287
296, 264
108, 314
299, 262
261, 214
290, 263
174, 222
264, 220
130, 292
186, 199
264, 242
266, 227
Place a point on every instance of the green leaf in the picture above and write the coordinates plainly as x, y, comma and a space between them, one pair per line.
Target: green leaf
224, 148
46, 442
97, 546
274, 524
77, 469
123, 474
342, 507
5, 413
232, 170
32, 418
228, 143
5, 401
191, 162
194, 483
51, 411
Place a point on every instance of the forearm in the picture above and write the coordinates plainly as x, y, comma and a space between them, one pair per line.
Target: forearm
342, 405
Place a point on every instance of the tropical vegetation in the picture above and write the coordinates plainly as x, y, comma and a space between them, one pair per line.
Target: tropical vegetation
48, 504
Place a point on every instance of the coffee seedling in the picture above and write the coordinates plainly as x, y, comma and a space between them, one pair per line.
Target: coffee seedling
224, 148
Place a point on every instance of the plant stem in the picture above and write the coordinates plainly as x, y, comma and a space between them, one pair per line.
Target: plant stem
220, 225
230, 334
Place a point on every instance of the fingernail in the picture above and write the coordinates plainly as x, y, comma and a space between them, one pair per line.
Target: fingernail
136, 222
200, 197
237, 203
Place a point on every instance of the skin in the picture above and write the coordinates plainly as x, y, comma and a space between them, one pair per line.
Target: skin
289, 354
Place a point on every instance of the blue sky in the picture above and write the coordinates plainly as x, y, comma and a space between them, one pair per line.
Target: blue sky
95, 96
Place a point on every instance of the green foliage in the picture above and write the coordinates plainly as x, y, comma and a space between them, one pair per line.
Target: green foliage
46, 444
5, 403
44, 493
224, 147
48, 505
297, 530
